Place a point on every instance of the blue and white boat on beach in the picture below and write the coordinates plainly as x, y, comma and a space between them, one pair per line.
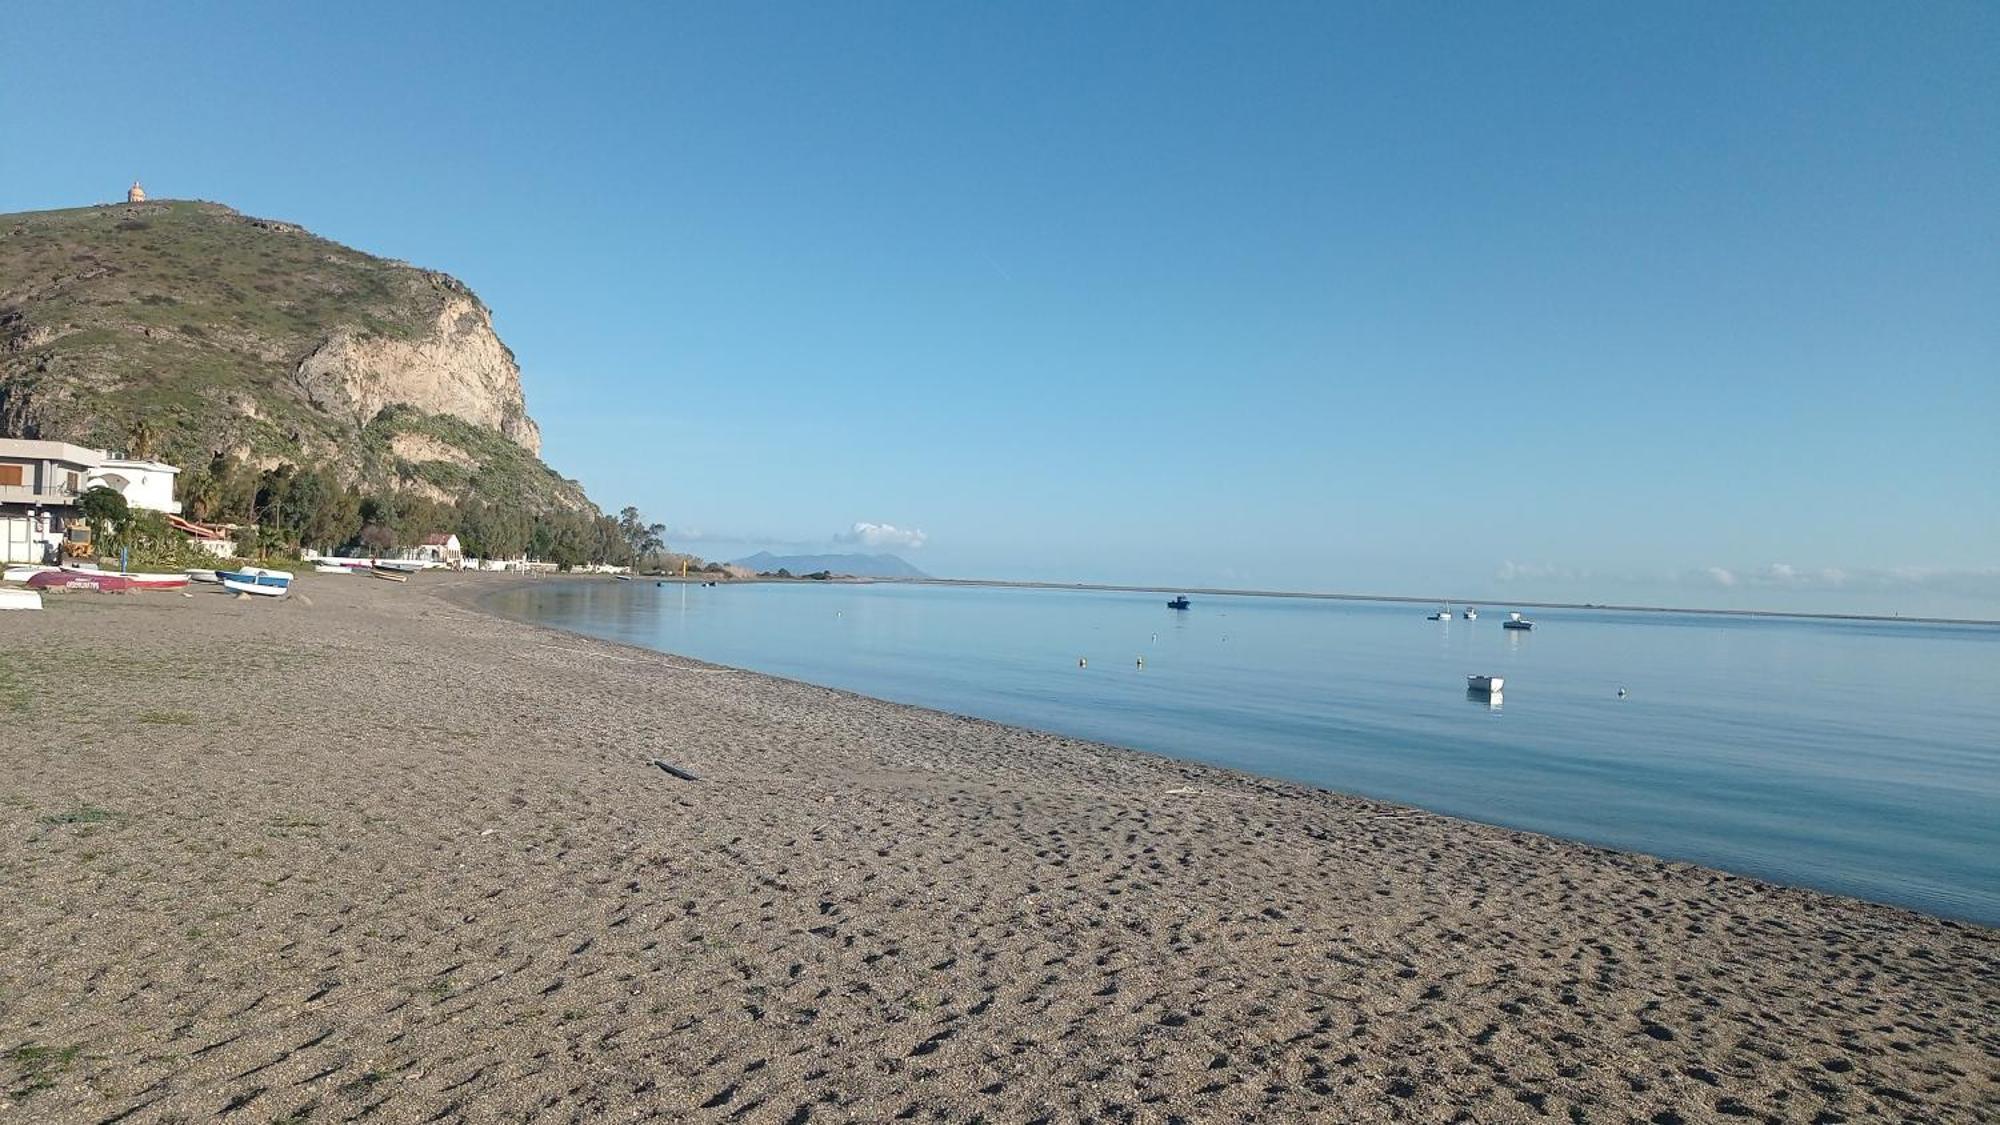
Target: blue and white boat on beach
257, 580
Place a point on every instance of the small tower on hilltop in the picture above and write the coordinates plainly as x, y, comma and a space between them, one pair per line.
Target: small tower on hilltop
135, 193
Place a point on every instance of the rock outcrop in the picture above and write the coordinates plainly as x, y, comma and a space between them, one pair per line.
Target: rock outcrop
460, 368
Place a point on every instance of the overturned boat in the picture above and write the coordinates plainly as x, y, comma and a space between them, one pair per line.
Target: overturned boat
257, 580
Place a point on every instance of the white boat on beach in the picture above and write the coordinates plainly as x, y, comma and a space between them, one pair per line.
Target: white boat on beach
140, 580
197, 574
329, 568
20, 599
257, 580
24, 572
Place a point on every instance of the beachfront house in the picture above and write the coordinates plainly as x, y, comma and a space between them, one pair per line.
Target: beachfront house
148, 485
440, 549
39, 484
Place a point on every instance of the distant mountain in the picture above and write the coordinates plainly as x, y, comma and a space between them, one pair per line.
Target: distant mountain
860, 566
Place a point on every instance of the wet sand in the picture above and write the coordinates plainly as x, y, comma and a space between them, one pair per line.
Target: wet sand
375, 854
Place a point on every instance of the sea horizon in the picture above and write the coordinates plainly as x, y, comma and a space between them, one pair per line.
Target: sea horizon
1405, 599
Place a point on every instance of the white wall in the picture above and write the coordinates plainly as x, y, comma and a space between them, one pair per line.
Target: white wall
144, 484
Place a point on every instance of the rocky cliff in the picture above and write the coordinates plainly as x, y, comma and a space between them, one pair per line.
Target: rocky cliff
214, 332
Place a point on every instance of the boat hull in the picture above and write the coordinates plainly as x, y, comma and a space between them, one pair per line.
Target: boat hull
20, 599
257, 581
1485, 685
81, 580
1524, 626
139, 579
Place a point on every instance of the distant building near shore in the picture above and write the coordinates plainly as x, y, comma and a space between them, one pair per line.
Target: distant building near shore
440, 549
135, 193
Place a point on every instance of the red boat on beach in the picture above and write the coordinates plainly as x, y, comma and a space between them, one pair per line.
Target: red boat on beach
139, 581
81, 580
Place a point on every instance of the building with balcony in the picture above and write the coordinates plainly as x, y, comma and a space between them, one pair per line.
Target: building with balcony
39, 484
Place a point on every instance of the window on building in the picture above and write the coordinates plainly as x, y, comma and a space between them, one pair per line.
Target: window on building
14, 475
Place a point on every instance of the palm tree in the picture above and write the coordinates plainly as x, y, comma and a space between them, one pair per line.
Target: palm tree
139, 440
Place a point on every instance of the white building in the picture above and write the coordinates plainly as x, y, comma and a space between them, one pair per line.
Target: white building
39, 484
144, 484
440, 549
41, 480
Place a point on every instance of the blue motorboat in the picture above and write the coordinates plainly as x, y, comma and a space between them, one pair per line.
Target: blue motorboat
1178, 603
257, 580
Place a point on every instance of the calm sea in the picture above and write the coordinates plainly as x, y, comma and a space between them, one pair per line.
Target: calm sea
1860, 758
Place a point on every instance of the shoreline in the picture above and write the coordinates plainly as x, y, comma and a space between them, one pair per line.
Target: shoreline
382, 849
480, 602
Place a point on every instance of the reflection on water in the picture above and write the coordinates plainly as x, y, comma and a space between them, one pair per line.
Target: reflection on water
1858, 757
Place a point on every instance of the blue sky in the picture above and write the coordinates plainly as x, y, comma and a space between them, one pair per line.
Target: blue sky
1696, 303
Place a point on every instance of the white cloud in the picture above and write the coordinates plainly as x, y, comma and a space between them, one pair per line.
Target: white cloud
882, 535
1785, 576
1511, 571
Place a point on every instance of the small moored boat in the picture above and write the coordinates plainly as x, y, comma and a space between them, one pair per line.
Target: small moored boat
1471, 613
1179, 603
1516, 621
1485, 685
256, 580
1443, 614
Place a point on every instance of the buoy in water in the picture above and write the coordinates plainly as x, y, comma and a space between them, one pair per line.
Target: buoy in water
1082, 663
1622, 693
1142, 662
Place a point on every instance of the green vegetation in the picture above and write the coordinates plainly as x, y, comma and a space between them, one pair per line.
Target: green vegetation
83, 814
37, 1067
13, 693
101, 507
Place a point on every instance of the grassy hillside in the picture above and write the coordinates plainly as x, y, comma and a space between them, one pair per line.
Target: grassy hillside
194, 320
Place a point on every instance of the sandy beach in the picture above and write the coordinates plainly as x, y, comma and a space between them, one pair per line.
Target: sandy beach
373, 853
